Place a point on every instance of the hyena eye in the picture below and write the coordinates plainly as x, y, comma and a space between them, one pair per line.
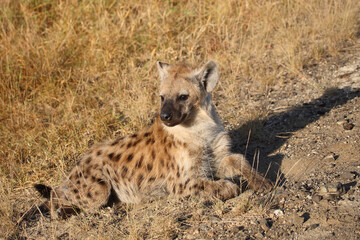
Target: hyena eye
183, 97
162, 98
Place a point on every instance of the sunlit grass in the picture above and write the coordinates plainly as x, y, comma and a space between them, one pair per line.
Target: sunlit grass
75, 72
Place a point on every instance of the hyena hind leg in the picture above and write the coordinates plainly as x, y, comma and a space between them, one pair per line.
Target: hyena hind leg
236, 164
75, 195
51, 207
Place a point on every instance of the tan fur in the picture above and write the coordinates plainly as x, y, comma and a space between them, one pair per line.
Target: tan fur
181, 157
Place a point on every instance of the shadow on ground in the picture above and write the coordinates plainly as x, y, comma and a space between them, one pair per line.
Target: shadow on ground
268, 135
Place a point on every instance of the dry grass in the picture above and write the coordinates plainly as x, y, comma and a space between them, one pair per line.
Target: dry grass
75, 72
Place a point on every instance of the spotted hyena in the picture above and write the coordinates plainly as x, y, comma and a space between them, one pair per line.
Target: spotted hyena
185, 152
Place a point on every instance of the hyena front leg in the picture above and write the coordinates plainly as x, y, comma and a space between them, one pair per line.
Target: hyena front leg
236, 164
205, 188
222, 189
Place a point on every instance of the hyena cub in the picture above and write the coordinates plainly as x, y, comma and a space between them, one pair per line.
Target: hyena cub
185, 152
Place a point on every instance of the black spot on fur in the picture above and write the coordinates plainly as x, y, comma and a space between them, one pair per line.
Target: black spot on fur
89, 195
149, 167
130, 157
129, 145
151, 179
88, 160
186, 182
111, 155
153, 154
146, 134
99, 152
140, 179
139, 163
134, 135
75, 190
101, 181
136, 142
117, 157
115, 142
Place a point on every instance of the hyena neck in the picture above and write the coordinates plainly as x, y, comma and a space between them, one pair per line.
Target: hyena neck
208, 106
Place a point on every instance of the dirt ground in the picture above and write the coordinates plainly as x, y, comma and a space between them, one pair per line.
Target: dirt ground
308, 143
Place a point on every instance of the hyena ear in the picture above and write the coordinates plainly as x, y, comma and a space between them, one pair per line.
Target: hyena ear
163, 69
208, 75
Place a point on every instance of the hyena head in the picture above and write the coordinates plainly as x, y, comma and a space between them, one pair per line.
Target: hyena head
184, 90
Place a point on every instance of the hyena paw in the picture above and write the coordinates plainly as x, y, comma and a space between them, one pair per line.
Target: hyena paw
227, 189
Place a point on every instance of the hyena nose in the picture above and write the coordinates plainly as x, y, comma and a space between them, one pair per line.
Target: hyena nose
166, 116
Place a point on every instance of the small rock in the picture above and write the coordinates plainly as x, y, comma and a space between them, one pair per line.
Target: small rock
335, 188
312, 226
323, 190
316, 198
331, 191
348, 126
345, 70
331, 157
347, 176
297, 220
278, 212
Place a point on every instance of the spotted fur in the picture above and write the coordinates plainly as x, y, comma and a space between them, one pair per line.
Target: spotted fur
185, 152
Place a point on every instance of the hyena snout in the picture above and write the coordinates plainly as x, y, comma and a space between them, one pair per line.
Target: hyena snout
171, 114
166, 116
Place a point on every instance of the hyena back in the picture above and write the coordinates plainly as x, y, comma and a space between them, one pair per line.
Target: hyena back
185, 152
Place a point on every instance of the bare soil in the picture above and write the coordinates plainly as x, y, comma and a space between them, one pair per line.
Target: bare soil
308, 143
